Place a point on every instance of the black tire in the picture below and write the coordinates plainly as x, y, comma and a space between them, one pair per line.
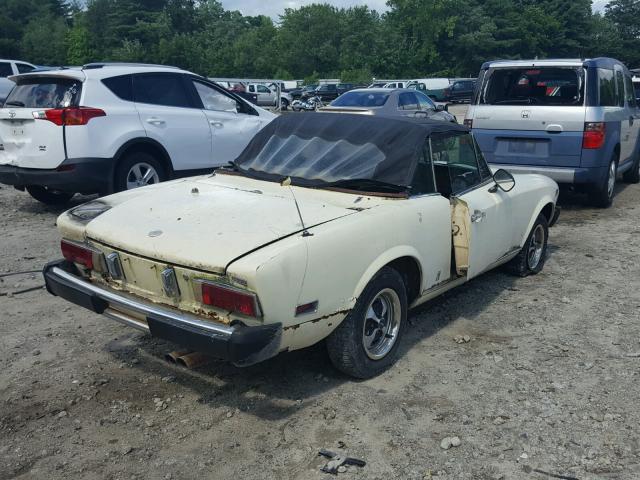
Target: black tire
284, 104
125, 166
48, 196
633, 174
524, 263
601, 194
346, 344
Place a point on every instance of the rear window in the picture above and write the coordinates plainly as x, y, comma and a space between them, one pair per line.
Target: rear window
361, 99
607, 88
534, 86
121, 86
24, 68
45, 93
161, 89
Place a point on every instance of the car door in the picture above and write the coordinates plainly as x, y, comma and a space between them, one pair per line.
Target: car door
481, 219
171, 117
265, 96
232, 123
427, 107
408, 104
624, 116
634, 113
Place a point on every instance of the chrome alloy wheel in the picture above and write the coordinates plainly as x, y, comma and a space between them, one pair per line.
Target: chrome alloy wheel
536, 247
142, 174
381, 324
611, 180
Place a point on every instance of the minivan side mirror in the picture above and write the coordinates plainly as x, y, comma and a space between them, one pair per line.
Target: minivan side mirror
504, 181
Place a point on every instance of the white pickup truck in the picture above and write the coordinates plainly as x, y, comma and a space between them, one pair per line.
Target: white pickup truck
267, 95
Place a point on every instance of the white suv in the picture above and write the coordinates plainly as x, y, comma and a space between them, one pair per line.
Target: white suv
111, 127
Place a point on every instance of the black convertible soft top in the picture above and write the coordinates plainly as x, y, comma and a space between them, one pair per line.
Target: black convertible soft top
320, 148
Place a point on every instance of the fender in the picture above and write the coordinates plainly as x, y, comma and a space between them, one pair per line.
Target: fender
384, 259
543, 202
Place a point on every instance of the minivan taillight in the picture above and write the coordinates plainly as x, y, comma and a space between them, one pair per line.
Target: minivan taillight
230, 299
69, 116
594, 135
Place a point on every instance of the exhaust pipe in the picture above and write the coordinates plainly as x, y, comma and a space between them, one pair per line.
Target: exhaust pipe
193, 360
172, 357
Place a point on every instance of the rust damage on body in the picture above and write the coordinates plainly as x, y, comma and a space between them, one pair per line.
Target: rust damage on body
316, 320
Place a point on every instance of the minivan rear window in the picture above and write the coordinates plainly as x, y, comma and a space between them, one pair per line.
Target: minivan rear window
533, 86
45, 92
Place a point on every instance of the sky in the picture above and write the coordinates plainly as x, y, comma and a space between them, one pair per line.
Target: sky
273, 8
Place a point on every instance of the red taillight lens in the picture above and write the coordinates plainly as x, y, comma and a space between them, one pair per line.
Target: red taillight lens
230, 299
594, 135
77, 254
468, 122
69, 116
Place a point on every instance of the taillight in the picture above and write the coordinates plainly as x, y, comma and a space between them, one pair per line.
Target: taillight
468, 122
76, 253
230, 299
594, 135
69, 116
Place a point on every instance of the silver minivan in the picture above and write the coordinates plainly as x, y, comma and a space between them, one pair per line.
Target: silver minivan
576, 121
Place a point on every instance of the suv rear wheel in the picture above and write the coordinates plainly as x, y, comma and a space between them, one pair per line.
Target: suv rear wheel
138, 169
602, 193
49, 196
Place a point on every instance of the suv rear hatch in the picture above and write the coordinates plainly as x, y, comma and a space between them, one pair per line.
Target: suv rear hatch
31, 135
531, 115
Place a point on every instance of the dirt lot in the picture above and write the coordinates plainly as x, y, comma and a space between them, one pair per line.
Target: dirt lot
549, 381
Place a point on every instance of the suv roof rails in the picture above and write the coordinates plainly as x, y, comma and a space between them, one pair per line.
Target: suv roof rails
91, 66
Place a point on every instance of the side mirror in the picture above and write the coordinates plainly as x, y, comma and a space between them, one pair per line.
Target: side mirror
441, 108
504, 181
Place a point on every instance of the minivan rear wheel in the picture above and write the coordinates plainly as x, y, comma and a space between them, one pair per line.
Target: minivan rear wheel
48, 196
138, 169
602, 193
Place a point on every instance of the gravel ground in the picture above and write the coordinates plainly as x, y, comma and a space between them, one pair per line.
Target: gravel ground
544, 379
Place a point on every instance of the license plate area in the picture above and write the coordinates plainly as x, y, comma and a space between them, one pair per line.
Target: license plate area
527, 147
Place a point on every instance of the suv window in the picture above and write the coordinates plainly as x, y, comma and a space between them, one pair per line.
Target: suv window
24, 68
607, 88
620, 88
160, 89
45, 93
212, 99
425, 102
630, 94
534, 86
5, 69
455, 163
121, 86
408, 101
423, 181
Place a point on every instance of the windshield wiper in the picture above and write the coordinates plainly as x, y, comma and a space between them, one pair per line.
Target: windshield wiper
15, 103
366, 184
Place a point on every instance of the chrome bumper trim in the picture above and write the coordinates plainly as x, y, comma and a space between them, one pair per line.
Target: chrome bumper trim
559, 174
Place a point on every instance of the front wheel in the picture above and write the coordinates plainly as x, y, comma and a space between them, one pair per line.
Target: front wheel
284, 104
532, 255
366, 343
48, 196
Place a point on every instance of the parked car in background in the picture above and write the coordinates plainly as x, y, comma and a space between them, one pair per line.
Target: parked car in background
112, 127
7, 69
396, 84
460, 90
384, 101
576, 121
345, 87
327, 92
268, 97
376, 215
636, 86
240, 90
432, 87
377, 84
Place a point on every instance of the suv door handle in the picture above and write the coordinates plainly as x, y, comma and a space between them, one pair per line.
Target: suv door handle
477, 216
216, 124
155, 121
554, 128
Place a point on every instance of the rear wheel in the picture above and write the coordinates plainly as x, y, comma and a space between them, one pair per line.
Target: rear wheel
602, 194
532, 256
284, 103
49, 196
366, 343
138, 169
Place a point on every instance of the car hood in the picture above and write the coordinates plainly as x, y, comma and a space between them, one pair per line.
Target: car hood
206, 223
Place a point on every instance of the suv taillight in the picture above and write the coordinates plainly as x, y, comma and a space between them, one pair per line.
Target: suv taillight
230, 299
594, 135
69, 116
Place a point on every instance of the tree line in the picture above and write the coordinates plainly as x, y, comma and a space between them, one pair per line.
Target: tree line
413, 38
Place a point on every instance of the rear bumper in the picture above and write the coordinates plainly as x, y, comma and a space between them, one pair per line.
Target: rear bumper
559, 174
74, 175
238, 344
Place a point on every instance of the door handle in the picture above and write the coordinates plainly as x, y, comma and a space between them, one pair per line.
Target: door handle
477, 216
554, 128
155, 121
216, 124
